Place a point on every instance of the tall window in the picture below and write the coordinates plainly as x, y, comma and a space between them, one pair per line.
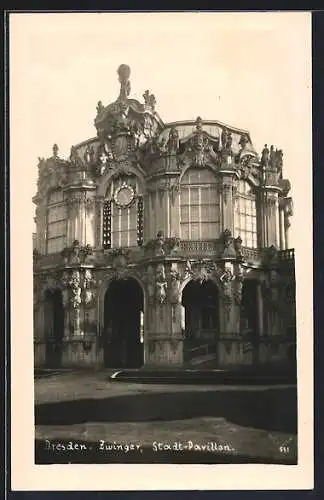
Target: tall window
199, 205
245, 215
123, 214
56, 222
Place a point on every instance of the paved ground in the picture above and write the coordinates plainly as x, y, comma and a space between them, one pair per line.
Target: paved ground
120, 422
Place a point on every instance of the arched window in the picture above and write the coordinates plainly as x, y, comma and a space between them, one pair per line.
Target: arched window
245, 217
123, 213
56, 222
199, 205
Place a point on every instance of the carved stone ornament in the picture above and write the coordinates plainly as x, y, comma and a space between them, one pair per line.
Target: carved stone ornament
199, 149
52, 174
270, 256
72, 281
76, 254
119, 258
228, 243
124, 195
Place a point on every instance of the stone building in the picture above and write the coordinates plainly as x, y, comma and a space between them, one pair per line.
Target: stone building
163, 244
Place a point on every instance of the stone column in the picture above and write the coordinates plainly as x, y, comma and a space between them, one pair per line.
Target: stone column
287, 226
89, 238
226, 200
175, 211
160, 210
41, 227
270, 218
281, 225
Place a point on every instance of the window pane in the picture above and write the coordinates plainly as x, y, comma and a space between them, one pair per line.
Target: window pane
184, 196
184, 214
205, 231
214, 230
195, 231
205, 213
194, 214
133, 238
194, 196
185, 231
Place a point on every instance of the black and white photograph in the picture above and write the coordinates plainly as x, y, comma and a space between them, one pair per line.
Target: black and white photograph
166, 184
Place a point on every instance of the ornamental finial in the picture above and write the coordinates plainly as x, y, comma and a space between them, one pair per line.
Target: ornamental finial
123, 77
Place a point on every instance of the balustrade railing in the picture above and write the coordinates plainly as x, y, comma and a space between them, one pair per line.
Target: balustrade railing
200, 247
287, 255
191, 248
252, 255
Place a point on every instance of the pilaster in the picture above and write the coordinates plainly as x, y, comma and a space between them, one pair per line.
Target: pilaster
163, 339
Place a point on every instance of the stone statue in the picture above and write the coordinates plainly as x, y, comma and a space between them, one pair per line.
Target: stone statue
173, 143
160, 284
238, 246
159, 243
100, 107
174, 284
243, 141
224, 138
75, 286
149, 99
89, 155
55, 151
229, 140
265, 155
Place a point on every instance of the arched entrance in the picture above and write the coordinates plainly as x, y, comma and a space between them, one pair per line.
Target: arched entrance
54, 327
123, 324
249, 319
201, 312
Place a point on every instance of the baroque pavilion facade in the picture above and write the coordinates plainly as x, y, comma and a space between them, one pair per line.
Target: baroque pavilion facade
163, 245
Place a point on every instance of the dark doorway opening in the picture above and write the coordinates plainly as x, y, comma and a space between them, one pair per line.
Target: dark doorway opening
123, 324
249, 318
201, 304
54, 328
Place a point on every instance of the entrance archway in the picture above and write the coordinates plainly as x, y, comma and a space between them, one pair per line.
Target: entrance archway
201, 311
123, 324
54, 327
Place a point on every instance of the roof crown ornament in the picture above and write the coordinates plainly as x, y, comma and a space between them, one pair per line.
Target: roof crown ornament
199, 123
123, 77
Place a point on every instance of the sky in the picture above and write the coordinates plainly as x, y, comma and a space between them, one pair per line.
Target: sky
249, 70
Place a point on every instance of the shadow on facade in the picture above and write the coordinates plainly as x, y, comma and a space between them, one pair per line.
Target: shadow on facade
269, 409
54, 328
123, 313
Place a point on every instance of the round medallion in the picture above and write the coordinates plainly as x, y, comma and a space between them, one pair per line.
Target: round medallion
124, 195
